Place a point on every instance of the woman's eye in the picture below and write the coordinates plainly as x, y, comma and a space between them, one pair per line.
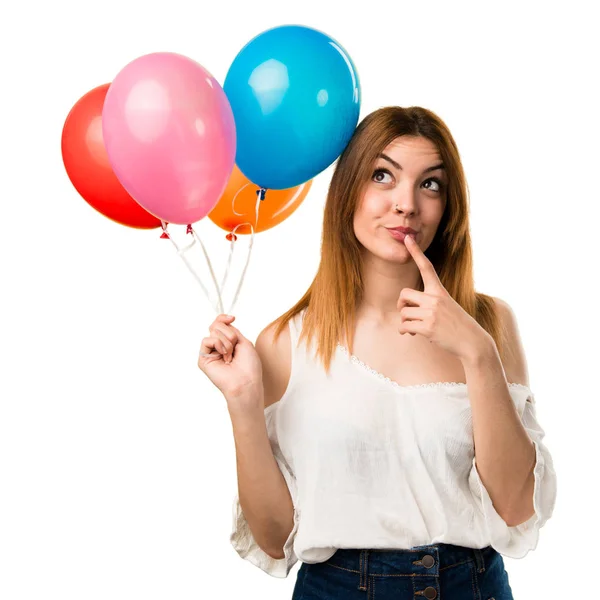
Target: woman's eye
379, 175
435, 183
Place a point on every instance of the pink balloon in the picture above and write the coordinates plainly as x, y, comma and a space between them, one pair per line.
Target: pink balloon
169, 133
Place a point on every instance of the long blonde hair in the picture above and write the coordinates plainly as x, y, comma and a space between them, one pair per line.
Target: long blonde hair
333, 296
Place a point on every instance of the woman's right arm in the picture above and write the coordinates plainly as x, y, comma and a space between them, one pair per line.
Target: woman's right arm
264, 495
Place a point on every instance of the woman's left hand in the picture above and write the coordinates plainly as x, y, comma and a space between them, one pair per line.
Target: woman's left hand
434, 314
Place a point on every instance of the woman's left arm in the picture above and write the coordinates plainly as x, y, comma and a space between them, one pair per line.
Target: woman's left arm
512, 472
514, 485
505, 454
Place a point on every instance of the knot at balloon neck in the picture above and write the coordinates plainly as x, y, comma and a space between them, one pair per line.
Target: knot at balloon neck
261, 193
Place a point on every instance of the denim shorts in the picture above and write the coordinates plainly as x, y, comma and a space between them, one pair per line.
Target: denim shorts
435, 572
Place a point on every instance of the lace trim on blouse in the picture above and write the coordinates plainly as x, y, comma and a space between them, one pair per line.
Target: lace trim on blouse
452, 384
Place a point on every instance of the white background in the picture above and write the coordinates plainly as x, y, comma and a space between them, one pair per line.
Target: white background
117, 463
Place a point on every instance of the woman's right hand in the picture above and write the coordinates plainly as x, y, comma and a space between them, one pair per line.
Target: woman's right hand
233, 366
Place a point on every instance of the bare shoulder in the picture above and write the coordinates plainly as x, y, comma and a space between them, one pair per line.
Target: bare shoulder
515, 361
276, 358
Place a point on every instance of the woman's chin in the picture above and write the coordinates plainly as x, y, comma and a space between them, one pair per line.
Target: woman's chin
398, 256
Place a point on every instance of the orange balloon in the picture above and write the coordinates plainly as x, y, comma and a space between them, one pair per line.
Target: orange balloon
277, 206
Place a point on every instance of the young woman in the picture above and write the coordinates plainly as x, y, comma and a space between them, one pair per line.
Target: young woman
385, 431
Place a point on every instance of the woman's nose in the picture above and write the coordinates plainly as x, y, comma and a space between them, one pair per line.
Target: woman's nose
404, 203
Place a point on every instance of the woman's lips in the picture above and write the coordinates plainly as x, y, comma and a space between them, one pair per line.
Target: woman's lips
398, 235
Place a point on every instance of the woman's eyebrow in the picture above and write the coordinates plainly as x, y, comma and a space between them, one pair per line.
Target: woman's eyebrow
393, 162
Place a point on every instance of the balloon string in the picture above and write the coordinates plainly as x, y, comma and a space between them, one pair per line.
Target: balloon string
260, 195
232, 237
236, 195
218, 308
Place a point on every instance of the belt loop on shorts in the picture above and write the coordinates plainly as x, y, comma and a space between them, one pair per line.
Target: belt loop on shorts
364, 570
479, 560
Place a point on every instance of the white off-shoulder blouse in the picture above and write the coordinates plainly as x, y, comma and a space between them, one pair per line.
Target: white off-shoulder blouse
373, 464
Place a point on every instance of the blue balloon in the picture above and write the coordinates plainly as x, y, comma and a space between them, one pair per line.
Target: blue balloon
295, 96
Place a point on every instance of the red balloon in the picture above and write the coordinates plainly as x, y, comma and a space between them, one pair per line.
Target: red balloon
88, 168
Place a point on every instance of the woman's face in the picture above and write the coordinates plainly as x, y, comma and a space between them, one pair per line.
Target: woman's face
408, 175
